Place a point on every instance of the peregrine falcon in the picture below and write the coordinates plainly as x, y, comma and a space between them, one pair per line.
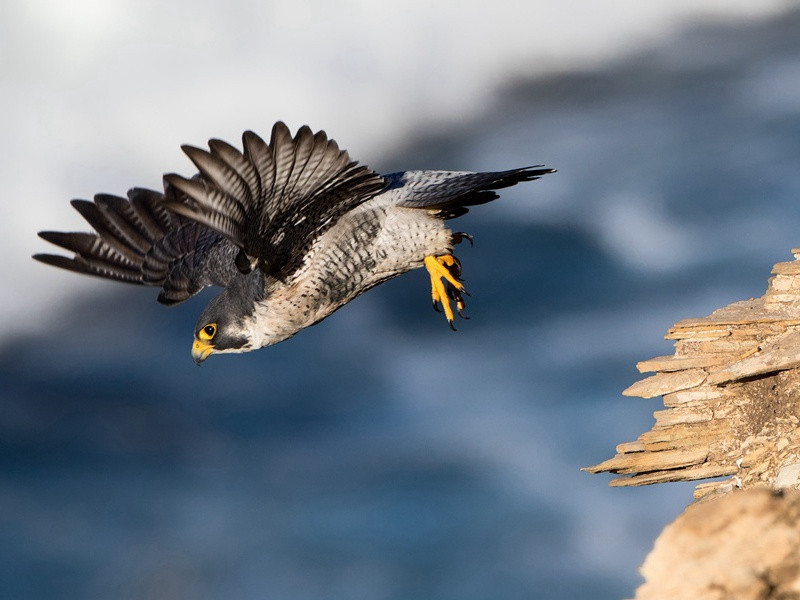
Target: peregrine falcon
291, 230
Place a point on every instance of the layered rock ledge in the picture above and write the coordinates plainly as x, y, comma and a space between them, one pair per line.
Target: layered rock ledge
731, 394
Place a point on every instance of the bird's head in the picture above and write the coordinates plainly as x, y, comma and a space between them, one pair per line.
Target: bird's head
221, 328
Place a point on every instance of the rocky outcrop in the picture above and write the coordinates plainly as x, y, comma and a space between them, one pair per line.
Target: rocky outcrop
731, 394
744, 546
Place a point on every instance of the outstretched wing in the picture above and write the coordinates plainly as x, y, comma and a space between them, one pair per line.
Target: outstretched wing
450, 192
272, 199
137, 240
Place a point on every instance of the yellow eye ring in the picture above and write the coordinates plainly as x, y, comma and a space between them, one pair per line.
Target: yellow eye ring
208, 332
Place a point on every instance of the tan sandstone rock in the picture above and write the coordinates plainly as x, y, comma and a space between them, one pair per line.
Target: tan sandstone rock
741, 546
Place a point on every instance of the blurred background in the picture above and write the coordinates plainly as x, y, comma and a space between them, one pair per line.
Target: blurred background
378, 455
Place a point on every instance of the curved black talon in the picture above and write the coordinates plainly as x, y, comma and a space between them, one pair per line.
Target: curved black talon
453, 292
455, 295
435, 306
455, 268
453, 327
460, 236
463, 290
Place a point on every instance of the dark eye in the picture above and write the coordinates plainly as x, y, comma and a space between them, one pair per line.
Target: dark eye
207, 332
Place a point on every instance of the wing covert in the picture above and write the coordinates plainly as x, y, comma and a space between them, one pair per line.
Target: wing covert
272, 199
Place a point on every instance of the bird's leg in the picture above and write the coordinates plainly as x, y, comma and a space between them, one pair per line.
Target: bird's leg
446, 267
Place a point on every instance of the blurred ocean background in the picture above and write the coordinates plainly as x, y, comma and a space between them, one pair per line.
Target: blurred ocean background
378, 455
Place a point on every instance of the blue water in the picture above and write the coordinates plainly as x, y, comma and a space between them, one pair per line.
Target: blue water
379, 455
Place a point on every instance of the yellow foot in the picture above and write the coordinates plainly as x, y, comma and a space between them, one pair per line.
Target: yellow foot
447, 268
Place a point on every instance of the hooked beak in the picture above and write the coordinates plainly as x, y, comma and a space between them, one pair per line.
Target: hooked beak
201, 350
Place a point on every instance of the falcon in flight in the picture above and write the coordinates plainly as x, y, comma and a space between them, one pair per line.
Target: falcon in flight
290, 230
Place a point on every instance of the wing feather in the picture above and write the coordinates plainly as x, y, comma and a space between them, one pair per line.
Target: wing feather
283, 150
208, 205
84, 266
89, 246
236, 160
128, 225
216, 171
273, 199
447, 190
314, 161
137, 240
259, 154
106, 228
304, 147
151, 212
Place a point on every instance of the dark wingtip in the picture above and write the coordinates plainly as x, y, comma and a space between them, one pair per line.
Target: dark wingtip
195, 154
55, 260
80, 205
279, 129
56, 238
69, 241
173, 180
536, 171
